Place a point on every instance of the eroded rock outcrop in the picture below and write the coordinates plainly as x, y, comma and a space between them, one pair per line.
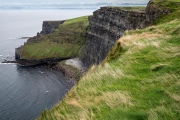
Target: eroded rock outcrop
48, 26
154, 11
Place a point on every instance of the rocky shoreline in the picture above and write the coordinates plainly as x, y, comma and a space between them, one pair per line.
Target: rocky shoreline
71, 68
25, 62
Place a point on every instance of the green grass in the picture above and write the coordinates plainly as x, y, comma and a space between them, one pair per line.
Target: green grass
140, 83
139, 80
76, 20
48, 49
62, 43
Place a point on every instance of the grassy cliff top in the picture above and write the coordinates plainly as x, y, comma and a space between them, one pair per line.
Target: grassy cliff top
170, 4
139, 80
62, 43
137, 8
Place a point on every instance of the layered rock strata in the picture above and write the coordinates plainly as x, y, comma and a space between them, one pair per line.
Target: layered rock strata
108, 24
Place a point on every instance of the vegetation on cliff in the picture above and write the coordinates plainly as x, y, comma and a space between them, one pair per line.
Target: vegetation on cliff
139, 80
64, 42
137, 8
170, 4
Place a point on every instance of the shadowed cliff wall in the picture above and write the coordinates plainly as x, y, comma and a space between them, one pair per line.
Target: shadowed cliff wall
48, 26
108, 24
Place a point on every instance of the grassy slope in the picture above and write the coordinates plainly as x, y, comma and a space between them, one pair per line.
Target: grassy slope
140, 82
63, 42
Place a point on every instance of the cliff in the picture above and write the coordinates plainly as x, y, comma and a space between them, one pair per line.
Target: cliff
108, 24
140, 83
58, 40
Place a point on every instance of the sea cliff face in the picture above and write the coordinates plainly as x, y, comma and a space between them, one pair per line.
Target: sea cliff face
108, 24
105, 27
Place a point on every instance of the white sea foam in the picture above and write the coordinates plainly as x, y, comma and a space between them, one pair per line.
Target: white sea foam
6, 63
76, 63
1, 55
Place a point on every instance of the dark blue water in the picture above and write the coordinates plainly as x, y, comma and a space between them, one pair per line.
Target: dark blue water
26, 91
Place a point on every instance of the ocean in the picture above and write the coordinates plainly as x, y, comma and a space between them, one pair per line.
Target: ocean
26, 91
